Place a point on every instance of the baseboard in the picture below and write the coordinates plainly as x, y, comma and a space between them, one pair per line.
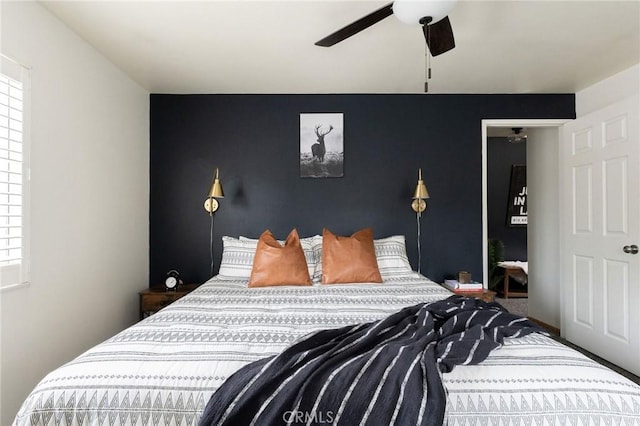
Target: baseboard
551, 329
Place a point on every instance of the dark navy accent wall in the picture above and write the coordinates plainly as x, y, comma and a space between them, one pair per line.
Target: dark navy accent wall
254, 140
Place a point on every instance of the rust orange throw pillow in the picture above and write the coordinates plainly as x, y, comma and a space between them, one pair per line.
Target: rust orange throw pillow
349, 259
274, 264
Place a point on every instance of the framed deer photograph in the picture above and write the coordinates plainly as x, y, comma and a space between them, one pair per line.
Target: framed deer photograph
321, 145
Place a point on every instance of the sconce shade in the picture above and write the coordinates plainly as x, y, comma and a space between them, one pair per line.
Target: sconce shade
421, 192
211, 204
216, 188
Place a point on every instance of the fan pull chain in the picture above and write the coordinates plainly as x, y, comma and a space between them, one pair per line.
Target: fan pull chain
427, 55
427, 76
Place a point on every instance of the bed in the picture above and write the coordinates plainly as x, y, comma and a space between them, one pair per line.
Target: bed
164, 369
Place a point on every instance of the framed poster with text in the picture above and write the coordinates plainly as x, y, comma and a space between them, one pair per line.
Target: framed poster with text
517, 204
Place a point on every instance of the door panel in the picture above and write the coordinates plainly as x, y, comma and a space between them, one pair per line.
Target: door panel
615, 199
616, 291
582, 203
583, 291
600, 189
615, 130
581, 140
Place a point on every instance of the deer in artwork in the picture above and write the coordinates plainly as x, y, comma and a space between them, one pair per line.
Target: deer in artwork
318, 149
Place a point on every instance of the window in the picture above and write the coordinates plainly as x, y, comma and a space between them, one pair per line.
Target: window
14, 176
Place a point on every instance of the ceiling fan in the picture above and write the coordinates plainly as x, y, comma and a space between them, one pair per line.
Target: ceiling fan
431, 14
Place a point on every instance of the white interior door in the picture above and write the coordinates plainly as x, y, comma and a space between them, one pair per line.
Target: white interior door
599, 193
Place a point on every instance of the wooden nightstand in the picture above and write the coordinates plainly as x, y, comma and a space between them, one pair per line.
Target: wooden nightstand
486, 295
155, 298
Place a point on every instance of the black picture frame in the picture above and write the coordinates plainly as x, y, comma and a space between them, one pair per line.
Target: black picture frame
321, 145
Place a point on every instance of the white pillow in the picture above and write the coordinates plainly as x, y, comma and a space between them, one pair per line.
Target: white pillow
391, 255
307, 248
237, 258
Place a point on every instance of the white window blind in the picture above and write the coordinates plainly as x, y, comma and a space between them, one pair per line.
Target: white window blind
13, 175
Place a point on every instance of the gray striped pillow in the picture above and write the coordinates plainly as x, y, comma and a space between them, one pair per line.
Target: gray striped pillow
237, 258
391, 254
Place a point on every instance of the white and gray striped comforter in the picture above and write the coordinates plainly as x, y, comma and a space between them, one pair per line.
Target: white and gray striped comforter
163, 370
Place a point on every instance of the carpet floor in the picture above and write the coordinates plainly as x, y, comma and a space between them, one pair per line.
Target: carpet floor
518, 306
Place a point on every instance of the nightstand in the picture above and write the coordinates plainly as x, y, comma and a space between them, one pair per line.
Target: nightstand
155, 298
486, 295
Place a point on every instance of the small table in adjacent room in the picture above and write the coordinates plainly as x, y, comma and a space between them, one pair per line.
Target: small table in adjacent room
518, 271
155, 298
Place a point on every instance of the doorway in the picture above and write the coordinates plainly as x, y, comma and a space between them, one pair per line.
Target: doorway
507, 216
542, 210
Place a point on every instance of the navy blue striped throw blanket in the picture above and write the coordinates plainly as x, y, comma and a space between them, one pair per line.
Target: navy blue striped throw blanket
381, 373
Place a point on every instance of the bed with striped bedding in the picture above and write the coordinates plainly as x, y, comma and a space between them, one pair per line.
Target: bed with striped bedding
383, 372
164, 369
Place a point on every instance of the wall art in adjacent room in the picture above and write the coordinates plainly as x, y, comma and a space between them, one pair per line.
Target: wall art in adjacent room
517, 208
321, 145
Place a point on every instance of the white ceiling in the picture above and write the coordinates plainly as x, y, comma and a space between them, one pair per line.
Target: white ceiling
524, 46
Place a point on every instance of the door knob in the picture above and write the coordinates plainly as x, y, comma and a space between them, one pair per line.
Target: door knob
632, 249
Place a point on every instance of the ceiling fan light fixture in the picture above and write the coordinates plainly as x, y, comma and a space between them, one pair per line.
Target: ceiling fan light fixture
517, 135
412, 11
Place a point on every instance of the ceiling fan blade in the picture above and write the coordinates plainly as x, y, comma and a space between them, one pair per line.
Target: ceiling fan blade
356, 27
439, 36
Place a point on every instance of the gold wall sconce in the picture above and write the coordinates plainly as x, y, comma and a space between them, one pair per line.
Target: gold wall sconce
419, 205
211, 204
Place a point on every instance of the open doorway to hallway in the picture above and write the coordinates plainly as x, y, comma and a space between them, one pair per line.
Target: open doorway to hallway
507, 216
542, 159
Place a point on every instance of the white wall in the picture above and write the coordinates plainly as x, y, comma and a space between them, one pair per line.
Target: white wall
542, 229
608, 91
89, 197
